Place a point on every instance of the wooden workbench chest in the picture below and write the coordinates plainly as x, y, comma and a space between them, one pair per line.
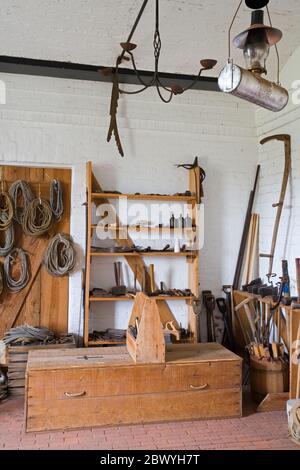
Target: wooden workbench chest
93, 387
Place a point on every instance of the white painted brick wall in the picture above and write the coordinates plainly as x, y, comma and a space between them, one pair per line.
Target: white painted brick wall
64, 122
271, 157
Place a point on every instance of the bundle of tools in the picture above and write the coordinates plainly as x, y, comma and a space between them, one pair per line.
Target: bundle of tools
59, 259
3, 386
163, 292
265, 340
210, 303
258, 287
111, 334
28, 335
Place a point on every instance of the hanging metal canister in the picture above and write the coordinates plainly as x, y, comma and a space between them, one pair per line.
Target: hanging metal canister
252, 87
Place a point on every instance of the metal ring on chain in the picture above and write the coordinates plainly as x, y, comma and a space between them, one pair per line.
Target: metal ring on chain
9, 239
56, 199
6, 210
37, 218
20, 189
16, 285
59, 259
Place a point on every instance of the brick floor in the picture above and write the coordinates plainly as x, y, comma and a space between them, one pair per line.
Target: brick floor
255, 431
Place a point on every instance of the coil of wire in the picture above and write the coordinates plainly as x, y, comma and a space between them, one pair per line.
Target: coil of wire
16, 285
59, 259
37, 218
6, 210
9, 239
56, 199
20, 190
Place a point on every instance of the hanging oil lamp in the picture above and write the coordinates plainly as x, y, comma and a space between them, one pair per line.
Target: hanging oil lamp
248, 83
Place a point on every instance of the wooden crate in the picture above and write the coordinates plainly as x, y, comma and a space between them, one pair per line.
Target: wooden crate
75, 389
17, 362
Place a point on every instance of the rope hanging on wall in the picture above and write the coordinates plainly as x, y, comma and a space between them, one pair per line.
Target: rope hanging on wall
20, 189
12, 284
56, 199
37, 218
59, 259
9, 239
6, 210
1, 280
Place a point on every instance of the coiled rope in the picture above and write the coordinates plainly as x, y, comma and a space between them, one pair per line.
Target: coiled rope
59, 259
9, 239
6, 210
56, 199
1, 280
16, 285
37, 218
20, 189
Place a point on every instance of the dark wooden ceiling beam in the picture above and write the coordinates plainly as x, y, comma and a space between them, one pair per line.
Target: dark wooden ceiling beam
67, 70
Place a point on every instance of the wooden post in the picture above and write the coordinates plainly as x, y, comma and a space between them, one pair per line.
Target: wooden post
193, 263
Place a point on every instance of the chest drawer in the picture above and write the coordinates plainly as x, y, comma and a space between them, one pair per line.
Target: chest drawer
132, 409
130, 380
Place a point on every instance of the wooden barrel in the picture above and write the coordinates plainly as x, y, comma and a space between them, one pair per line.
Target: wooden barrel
268, 377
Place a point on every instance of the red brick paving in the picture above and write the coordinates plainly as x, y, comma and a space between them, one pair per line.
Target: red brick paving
266, 431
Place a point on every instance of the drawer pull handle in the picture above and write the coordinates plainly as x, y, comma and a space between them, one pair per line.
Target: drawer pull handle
75, 395
202, 387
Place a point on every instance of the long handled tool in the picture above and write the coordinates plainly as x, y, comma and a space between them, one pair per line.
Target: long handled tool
238, 270
279, 205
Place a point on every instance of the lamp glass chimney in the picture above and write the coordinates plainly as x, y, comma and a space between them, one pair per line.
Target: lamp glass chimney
256, 51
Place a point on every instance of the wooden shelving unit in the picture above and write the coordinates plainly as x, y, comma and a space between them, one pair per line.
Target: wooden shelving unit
135, 261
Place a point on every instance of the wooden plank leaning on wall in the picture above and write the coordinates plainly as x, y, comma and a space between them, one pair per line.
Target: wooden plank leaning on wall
44, 302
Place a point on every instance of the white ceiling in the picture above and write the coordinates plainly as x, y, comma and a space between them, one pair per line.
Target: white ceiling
89, 31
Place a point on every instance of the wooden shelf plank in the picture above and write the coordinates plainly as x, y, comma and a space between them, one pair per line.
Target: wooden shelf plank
146, 229
104, 343
145, 197
154, 253
126, 299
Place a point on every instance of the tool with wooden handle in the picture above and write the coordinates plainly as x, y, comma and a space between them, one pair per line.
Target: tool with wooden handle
152, 280
287, 171
118, 290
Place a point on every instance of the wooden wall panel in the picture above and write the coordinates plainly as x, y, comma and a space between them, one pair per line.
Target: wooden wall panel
45, 302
